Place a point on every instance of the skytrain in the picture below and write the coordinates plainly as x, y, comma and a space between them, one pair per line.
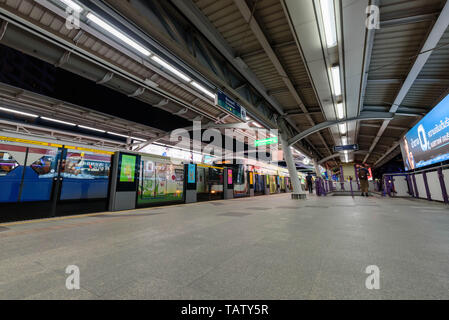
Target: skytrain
45, 178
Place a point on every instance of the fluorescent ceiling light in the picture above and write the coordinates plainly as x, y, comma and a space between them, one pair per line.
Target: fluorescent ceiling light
72, 5
336, 80
59, 121
328, 14
117, 33
90, 128
171, 68
19, 112
117, 134
340, 111
257, 124
342, 127
138, 139
344, 140
346, 157
202, 89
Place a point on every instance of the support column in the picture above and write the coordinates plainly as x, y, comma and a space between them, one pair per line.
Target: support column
298, 193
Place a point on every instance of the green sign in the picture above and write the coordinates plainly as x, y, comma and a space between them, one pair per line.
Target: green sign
265, 142
230, 105
128, 168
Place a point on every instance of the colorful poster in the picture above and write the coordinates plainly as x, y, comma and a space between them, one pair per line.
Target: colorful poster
128, 168
229, 176
191, 173
427, 142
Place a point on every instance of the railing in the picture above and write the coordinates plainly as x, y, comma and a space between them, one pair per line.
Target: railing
323, 187
429, 184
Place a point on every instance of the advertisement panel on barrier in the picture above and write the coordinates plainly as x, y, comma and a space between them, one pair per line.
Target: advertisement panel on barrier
128, 168
427, 142
191, 173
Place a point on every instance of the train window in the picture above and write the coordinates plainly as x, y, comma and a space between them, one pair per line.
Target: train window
7, 163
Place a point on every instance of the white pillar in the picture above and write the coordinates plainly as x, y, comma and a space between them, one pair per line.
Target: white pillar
317, 168
298, 192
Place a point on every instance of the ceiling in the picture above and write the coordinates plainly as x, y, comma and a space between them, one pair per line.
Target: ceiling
376, 64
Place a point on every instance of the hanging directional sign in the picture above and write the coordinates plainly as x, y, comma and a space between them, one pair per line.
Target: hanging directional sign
230, 105
351, 147
265, 142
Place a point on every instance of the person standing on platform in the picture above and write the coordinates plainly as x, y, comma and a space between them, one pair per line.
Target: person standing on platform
309, 180
363, 177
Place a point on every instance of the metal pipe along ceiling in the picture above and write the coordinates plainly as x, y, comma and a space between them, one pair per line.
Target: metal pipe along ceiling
27, 43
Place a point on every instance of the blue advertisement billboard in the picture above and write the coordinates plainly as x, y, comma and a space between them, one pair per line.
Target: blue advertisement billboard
427, 142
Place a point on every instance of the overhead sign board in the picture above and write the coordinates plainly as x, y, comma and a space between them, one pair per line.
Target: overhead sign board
230, 105
265, 142
350, 147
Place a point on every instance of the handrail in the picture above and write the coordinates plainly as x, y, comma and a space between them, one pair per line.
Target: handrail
444, 166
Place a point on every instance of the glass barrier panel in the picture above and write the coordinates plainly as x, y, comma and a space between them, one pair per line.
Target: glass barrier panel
85, 175
39, 174
160, 182
12, 160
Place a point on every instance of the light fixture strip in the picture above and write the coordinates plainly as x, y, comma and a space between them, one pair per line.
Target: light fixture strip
59, 121
202, 89
19, 112
171, 68
90, 128
117, 134
335, 71
328, 14
342, 127
117, 34
340, 111
73, 5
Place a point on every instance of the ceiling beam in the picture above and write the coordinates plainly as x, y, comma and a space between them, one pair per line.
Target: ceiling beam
327, 124
200, 21
417, 81
433, 38
407, 20
257, 30
275, 46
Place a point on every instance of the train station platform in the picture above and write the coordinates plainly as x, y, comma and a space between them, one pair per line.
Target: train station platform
267, 247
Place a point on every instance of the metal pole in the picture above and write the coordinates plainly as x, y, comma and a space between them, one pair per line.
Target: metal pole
357, 176
443, 185
426, 184
410, 185
342, 179
415, 186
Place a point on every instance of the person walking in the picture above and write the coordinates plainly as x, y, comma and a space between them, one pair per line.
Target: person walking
309, 181
363, 177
